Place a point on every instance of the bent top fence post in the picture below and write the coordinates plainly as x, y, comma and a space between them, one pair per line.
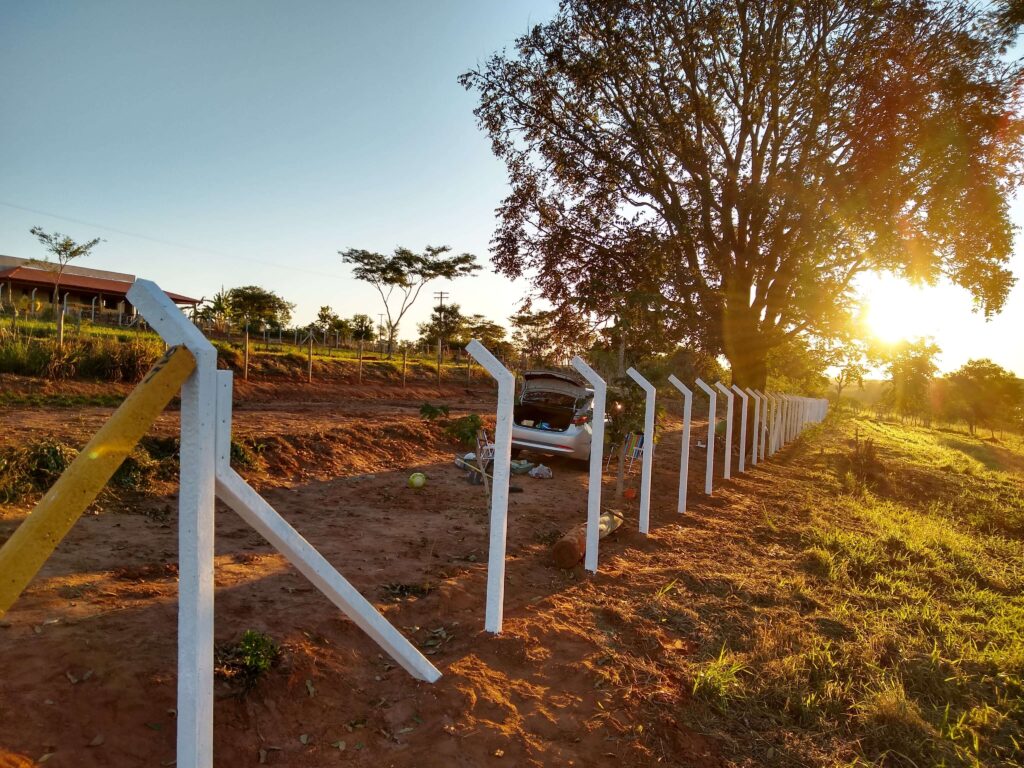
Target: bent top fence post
196, 498
728, 428
773, 422
743, 428
596, 461
712, 418
763, 432
499, 493
684, 452
755, 434
648, 457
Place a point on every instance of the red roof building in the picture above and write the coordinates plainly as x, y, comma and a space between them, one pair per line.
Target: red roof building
25, 284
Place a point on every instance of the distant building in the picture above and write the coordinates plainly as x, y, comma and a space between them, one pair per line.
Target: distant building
26, 285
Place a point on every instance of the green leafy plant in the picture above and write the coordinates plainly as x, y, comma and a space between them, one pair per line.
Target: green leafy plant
433, 412
244, 662
464, 429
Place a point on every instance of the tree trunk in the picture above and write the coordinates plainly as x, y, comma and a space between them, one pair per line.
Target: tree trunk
743, 342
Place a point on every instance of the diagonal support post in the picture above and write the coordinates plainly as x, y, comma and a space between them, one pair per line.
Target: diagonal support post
28, 548
234, 491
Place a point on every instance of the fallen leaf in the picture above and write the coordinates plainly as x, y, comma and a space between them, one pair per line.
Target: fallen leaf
155, 726
304, 738
97, 740
310, 688
72, 678
339, 745
263, 756
46, 757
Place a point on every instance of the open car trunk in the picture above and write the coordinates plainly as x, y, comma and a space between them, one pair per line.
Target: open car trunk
547, 417
549, 401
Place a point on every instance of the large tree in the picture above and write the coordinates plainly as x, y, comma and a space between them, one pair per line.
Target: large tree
406, 272
982, 392
750, 157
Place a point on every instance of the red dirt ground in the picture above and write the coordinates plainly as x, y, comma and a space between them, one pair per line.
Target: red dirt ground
87, 656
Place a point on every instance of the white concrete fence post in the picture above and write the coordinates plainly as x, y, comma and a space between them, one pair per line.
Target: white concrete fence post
728, 428
196, 499
773, 426
205, 473
712, 418
764, 424
755, 434
742, 467
499, 486
648, 456
684, 451
596, 461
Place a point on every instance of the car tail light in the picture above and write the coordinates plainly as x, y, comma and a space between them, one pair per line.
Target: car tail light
581, 419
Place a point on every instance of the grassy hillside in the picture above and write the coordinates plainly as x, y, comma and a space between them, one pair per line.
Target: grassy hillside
897, 637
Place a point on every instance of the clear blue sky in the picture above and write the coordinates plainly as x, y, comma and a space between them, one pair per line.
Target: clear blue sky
250, 141
265, 136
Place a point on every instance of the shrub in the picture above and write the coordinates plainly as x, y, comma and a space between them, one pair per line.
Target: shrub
137, 470
247, 660
33, 468
464, 429
432, 412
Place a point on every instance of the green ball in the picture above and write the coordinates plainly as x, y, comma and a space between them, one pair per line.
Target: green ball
417, 480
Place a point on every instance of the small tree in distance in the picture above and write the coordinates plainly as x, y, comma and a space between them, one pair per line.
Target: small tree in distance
63, 250
406, 272
258, 307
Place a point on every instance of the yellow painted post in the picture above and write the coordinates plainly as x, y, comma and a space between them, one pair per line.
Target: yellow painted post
33, 542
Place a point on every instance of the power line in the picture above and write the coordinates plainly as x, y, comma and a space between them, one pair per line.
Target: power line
170, 243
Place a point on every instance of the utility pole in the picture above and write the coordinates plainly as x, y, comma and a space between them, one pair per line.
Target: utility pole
440, 296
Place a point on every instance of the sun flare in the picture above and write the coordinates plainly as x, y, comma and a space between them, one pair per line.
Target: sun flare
895, 310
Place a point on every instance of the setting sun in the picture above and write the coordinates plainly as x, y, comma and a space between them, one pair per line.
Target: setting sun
895, 309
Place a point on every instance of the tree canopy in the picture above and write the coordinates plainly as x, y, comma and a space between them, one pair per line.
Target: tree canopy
257, 307
744, 161
983, 393
406, 272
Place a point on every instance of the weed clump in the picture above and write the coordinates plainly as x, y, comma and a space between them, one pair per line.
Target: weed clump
243, 663
33, 468
718, 681
861, 468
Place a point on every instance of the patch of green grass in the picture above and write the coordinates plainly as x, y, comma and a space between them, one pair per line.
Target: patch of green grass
58, 400
718, 681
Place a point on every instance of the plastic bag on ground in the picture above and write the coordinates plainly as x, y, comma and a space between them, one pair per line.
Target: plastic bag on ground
541, 472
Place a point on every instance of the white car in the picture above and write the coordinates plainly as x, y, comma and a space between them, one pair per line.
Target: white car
553, 413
